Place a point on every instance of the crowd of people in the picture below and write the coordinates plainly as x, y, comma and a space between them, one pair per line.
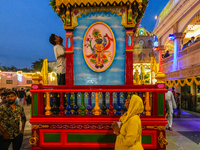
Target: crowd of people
10, 115
23, 96
190, 42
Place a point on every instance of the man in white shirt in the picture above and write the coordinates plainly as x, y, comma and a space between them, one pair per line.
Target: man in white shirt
172, 105
59, 51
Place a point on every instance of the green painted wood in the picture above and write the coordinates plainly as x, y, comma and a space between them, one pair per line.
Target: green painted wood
52, 137
35, 104
161, 106
108, 138
146, 139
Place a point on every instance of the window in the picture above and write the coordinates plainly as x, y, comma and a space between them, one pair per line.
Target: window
29, 82
9, 81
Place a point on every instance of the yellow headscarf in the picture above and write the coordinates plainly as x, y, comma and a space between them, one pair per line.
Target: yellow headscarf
135, 107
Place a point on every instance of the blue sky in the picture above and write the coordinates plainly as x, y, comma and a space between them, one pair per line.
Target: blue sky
25, 28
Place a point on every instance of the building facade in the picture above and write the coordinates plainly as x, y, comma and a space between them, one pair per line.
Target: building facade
178, 32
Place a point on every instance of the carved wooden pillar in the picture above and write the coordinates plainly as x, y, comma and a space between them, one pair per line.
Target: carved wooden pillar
69, 59
129, 58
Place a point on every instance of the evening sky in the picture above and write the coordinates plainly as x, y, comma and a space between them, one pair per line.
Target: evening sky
26, 25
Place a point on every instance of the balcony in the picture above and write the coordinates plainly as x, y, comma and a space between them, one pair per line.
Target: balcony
188, 62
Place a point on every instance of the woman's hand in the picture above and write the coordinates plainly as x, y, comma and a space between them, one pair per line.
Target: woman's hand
115, 128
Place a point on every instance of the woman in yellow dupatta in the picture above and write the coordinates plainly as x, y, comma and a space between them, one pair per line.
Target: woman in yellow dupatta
129, 134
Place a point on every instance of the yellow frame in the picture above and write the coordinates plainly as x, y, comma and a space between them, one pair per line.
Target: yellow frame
113, 41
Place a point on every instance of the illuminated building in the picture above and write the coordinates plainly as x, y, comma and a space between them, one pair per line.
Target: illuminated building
176, 25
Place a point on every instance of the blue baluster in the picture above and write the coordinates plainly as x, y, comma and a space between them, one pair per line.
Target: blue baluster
75, 105
89, 107
104, 108
125, 97
140, 95
118, 108
68, 108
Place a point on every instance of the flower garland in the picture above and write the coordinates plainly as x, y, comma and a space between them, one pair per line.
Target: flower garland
182, 82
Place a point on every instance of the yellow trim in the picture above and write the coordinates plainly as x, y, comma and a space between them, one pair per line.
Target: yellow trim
68, 27
68, 52
128, 33
69, 35
113, 41
129, 50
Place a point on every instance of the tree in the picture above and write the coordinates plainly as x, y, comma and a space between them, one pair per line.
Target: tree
37, 65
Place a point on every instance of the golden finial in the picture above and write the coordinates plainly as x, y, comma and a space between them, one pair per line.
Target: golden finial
51, 95
65, 95
92, 94
121, 95
100, 95
44, 95
85, 94
107, 95
79, 95
58, 95
57, 10
115, 95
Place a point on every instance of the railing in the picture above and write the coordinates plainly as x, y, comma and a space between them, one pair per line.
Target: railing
191, 103
168, 59
189, 49
93, 100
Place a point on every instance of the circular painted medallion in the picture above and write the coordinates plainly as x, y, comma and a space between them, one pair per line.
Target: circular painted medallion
99, 47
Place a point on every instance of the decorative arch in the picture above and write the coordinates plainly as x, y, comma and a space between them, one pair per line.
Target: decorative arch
182, 29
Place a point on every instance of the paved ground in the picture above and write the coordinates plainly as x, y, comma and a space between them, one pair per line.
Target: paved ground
185, 134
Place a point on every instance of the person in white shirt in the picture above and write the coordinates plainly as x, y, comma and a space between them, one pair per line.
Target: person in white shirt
59, 51
172, 105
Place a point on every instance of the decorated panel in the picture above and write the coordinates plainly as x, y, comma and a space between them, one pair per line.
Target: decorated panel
99, 49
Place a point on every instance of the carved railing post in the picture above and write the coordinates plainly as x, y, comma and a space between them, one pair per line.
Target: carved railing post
96, 108
48, 107
104, 108
111, 108
89, 107
118, 108
75, 105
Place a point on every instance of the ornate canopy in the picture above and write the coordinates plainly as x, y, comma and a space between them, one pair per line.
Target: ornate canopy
131, 11
95, 2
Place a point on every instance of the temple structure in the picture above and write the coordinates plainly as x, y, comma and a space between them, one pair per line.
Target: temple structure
99, 78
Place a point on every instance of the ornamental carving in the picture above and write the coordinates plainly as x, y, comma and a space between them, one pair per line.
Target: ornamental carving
39, 126
95, 2
78, 12
78, 126
161, 140
156, 128
34, 139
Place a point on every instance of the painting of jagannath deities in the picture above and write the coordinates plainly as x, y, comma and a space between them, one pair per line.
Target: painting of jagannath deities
99, 47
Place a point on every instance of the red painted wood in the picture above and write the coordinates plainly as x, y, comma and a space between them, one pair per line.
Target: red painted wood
98, 87
111, 108
96, 90
129, 68
69, 69
61, 108
64, 143
154, 103
153, 134
69, 60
